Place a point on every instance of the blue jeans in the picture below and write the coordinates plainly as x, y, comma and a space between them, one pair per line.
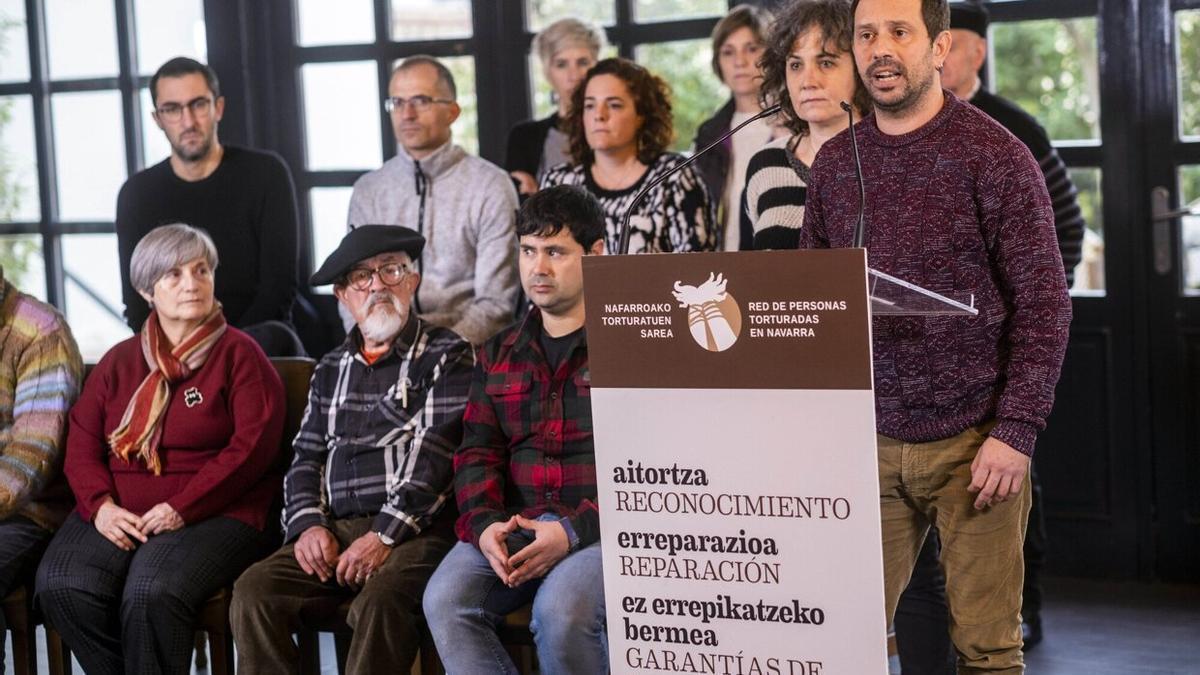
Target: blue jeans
465, 602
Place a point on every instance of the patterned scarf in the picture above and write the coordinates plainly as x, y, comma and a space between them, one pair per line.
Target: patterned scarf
141, 425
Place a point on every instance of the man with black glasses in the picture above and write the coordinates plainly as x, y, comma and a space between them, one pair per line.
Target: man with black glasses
464, 206
365, 498
243, 198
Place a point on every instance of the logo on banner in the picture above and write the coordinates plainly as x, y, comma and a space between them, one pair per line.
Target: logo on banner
714, 318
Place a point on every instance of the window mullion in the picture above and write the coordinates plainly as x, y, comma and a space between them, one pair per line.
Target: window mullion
130, 101
39, 72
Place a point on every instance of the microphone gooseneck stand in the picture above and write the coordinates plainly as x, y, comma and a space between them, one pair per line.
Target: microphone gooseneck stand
623, 246
860, 228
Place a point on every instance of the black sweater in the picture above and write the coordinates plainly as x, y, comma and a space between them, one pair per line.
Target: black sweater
1068, 219
247, 206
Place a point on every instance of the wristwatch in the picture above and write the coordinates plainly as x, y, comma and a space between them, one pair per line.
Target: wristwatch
386, 540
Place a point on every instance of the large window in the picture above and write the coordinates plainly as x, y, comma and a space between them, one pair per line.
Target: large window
343, 60
1187, 44
670, 37
1050, 68
74, 123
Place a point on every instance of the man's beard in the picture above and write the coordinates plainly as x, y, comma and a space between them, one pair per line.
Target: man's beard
196, 155
912, 92
381, 325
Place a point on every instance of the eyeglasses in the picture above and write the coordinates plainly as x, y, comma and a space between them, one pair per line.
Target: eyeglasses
173, 112
420, 102
390, 274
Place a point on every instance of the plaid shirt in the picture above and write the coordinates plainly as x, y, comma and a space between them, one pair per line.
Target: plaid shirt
377, 439
528, 438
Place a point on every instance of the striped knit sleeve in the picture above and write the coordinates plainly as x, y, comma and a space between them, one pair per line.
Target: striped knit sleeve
775, 197
48, 374
1068, 218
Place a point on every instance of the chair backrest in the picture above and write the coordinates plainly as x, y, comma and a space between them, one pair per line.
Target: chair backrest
296, 372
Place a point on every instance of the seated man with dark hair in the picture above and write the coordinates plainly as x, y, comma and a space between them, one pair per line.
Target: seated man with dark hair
525, 475
364, 498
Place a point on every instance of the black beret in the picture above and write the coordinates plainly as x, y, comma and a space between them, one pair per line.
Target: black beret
363, 242
970, 16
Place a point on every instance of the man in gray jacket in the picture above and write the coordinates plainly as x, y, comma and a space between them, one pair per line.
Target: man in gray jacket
464, 206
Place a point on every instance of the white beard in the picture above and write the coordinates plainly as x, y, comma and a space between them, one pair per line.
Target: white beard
383, 324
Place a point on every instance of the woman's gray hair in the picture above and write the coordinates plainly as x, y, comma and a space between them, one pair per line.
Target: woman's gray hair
567, 33
165, 247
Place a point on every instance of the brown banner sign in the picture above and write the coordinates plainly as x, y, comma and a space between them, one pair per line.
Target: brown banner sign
753, 320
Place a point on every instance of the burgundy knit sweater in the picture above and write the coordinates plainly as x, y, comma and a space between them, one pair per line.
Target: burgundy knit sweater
959, 207
219, 442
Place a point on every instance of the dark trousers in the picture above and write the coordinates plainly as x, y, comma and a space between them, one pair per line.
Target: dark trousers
275, 599
21, 541
135, 612
922, 621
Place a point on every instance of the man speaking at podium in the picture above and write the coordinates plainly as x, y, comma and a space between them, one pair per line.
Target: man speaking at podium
956, 204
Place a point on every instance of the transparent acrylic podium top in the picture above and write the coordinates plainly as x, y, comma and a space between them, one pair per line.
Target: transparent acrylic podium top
896, 297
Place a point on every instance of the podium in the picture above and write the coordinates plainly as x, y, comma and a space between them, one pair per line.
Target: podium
734, 425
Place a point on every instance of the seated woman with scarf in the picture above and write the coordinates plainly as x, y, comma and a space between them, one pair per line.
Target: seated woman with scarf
171, 454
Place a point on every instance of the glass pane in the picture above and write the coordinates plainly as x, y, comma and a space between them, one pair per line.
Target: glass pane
542, 13
14, 42
465, 129
169, 28
1187, 55
659, 10
89, 153
1089, 273
1189, 230
82, 37
695, 92
341, 115
1050, 69
19, 198
94, 306
155, 147
335, 23
24, 266
430, 19
329, 207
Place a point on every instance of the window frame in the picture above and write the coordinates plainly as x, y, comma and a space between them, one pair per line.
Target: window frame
41, 88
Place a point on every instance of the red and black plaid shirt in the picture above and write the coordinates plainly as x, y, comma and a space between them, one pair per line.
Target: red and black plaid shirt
527, 443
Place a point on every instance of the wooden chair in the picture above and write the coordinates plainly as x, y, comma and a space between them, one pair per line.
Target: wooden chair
213, 619
22, 622
335, 622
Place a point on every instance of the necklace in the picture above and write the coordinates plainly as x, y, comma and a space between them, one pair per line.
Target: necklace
618, 182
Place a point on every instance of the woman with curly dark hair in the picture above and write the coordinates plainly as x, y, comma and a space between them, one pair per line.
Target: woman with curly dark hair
619, 128
808, 67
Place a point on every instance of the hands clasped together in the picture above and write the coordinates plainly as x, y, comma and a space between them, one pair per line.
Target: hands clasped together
550, 545
121, 526
317, 552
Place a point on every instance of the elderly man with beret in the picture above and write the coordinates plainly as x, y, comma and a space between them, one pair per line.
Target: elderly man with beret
365, 497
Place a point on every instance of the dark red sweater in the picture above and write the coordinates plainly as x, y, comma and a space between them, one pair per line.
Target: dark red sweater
217, 455
960, 207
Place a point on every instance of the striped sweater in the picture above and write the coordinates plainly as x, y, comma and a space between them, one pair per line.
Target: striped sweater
40, 374
773, 201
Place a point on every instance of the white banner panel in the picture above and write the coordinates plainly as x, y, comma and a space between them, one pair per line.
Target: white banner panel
734, 546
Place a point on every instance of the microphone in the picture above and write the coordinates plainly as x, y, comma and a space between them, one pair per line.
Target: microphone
623, 246
861, 226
